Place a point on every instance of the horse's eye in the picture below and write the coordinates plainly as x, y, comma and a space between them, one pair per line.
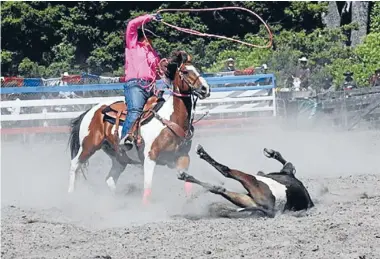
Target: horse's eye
185, 72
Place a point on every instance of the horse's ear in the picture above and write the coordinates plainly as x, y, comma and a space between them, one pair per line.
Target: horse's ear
183, 57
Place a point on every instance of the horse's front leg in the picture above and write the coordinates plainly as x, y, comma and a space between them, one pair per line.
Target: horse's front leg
182, 166
150, 157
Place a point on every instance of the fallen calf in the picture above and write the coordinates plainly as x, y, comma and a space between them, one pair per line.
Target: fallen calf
267, 193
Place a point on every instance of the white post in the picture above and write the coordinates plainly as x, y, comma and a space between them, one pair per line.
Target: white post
274, 97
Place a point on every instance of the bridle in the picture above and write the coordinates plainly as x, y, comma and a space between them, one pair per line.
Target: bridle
175, 92
186, 94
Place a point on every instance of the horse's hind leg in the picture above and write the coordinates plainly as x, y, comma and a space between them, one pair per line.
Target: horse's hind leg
117, 167
82, 150
240, 200
76, 165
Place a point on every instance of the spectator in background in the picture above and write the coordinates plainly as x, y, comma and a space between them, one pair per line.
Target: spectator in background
16, 109
375, 78
229, 65
303, 73
62, 82
264, 68
349, 82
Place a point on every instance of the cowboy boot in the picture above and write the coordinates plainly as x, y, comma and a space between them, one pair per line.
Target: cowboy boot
129, 139
131, 136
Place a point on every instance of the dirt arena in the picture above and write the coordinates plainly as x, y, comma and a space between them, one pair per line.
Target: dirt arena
340, 169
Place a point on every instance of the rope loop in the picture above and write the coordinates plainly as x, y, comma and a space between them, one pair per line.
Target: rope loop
201, 34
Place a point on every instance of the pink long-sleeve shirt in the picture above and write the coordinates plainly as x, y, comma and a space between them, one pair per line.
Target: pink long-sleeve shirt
141, 60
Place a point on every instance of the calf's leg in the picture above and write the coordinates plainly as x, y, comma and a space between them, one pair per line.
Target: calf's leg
258, 191
240, 200
243, 201
287, 168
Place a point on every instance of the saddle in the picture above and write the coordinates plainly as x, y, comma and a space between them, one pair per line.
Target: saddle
116, 114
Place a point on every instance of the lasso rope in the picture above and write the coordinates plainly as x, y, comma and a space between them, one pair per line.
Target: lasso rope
198, 33
201, 34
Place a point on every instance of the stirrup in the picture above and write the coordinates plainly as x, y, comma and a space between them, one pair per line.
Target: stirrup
128, 145
126, 142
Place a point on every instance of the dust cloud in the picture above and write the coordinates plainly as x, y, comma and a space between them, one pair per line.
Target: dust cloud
337, 167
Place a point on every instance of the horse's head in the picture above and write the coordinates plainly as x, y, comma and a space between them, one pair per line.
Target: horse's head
185, 77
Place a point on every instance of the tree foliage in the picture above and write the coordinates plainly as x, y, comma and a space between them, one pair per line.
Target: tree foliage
46, 39
375, 17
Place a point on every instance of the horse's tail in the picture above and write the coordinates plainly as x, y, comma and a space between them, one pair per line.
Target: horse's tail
74, 134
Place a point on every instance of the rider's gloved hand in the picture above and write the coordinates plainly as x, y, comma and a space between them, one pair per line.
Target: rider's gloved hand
157, 17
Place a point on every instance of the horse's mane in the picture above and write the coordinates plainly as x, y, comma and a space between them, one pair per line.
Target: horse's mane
176, 59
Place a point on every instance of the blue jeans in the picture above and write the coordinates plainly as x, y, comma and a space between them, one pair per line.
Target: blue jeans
135, 98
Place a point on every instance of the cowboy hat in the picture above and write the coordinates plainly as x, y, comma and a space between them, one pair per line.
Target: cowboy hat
348, 73
303, 59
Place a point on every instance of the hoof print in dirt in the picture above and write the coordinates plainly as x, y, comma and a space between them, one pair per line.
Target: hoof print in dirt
31, 221
365, 195
103, 257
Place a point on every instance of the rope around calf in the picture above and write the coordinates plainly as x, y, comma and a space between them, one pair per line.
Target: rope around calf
201, 34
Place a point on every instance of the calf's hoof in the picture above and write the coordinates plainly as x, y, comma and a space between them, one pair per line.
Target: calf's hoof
200, 150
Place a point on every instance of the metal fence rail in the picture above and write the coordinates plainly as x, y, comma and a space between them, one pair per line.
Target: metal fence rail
44, 106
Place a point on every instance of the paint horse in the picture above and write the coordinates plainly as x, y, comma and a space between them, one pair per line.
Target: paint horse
267, 193
163, 133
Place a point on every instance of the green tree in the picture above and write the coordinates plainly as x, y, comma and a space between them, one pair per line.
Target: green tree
50, 38
375, 17
30, 69
364, 61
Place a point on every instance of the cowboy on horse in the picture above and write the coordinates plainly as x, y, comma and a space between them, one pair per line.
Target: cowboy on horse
141, 63
160, 129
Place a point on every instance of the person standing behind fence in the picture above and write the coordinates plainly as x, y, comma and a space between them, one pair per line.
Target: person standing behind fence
141, 63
